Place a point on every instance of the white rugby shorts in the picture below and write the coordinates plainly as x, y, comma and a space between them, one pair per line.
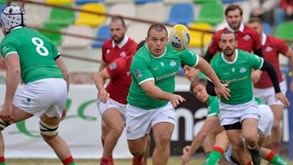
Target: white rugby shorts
43, 96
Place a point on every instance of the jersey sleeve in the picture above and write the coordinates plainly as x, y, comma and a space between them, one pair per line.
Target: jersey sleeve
282, 46
116, 67
140, 70
189, 58
256, 61
8, 47
213, 107
214, 45
55, 51
257, 42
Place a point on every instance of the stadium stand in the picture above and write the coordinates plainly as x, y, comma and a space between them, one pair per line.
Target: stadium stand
61, 17
212, 13
198, 38
54, 37
124, 10
182, 13
82, 2
59, 2
102, 33
89, 19
70, 42
143, 12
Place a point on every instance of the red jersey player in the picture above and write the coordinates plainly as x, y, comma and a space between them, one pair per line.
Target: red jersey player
263, 88
112, 110
247, 38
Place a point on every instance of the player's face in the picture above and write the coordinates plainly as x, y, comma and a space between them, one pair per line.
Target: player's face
228, 44
256, 26
157, 41
234, 19
190, 72
117, 31
200, 92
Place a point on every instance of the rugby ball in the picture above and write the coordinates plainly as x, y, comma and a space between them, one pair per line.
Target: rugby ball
179, 37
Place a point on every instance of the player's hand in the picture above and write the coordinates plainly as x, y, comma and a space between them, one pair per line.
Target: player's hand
103, 96
186, 155
176, 100
6, 113
255, 76
223, 91
280, 96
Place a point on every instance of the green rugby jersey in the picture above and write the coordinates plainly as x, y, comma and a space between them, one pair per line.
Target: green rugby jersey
36, 54
213, 106
161, 69
238, 73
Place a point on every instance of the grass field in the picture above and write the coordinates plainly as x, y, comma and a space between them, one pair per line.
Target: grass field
172, 161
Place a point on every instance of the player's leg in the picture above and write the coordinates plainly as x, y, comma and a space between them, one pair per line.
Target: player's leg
137, 148
49, 132
114, 122
162, 136
276, 130
218, 150
52, 105
138, 125
272, 157
18, 116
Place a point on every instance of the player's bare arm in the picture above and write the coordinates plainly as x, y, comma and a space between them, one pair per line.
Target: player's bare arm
155, 92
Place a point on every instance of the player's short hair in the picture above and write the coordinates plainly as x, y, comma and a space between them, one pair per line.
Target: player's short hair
228, 32
13, 16
233, 7
254, 20
202, 81
118, 18
157, 27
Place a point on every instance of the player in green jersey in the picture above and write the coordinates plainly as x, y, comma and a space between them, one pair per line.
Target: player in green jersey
239, 115
33, 58
151, 98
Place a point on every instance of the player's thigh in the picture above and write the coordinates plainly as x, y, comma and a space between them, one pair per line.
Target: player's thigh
162, 132
112, 118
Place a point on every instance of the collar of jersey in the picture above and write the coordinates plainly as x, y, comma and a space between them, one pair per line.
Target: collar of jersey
241, 28
230, 62
122, 43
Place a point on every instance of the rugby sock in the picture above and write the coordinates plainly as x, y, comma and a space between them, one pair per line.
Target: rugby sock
138, 160
215, 155
249, 163
2, 161
276, 159
208, 155
68, 161
106, 161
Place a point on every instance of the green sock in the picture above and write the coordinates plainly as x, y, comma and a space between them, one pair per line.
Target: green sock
72, 163
207, 155
215, 155
277, 160
2, 163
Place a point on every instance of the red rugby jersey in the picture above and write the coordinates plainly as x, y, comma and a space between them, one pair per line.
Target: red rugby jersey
271, 49
120, 79
248, 39
111, 52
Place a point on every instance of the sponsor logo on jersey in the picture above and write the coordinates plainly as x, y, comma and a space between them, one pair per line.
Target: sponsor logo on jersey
112, 66
138, 73
172, 63
268, 49
233, 70
246, 37
242, 70
123, 54
108, 51
4, 49
162, 63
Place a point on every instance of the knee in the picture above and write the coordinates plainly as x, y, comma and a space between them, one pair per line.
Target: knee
117, 130
163, 141
136, 150
48, 132
251, 139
